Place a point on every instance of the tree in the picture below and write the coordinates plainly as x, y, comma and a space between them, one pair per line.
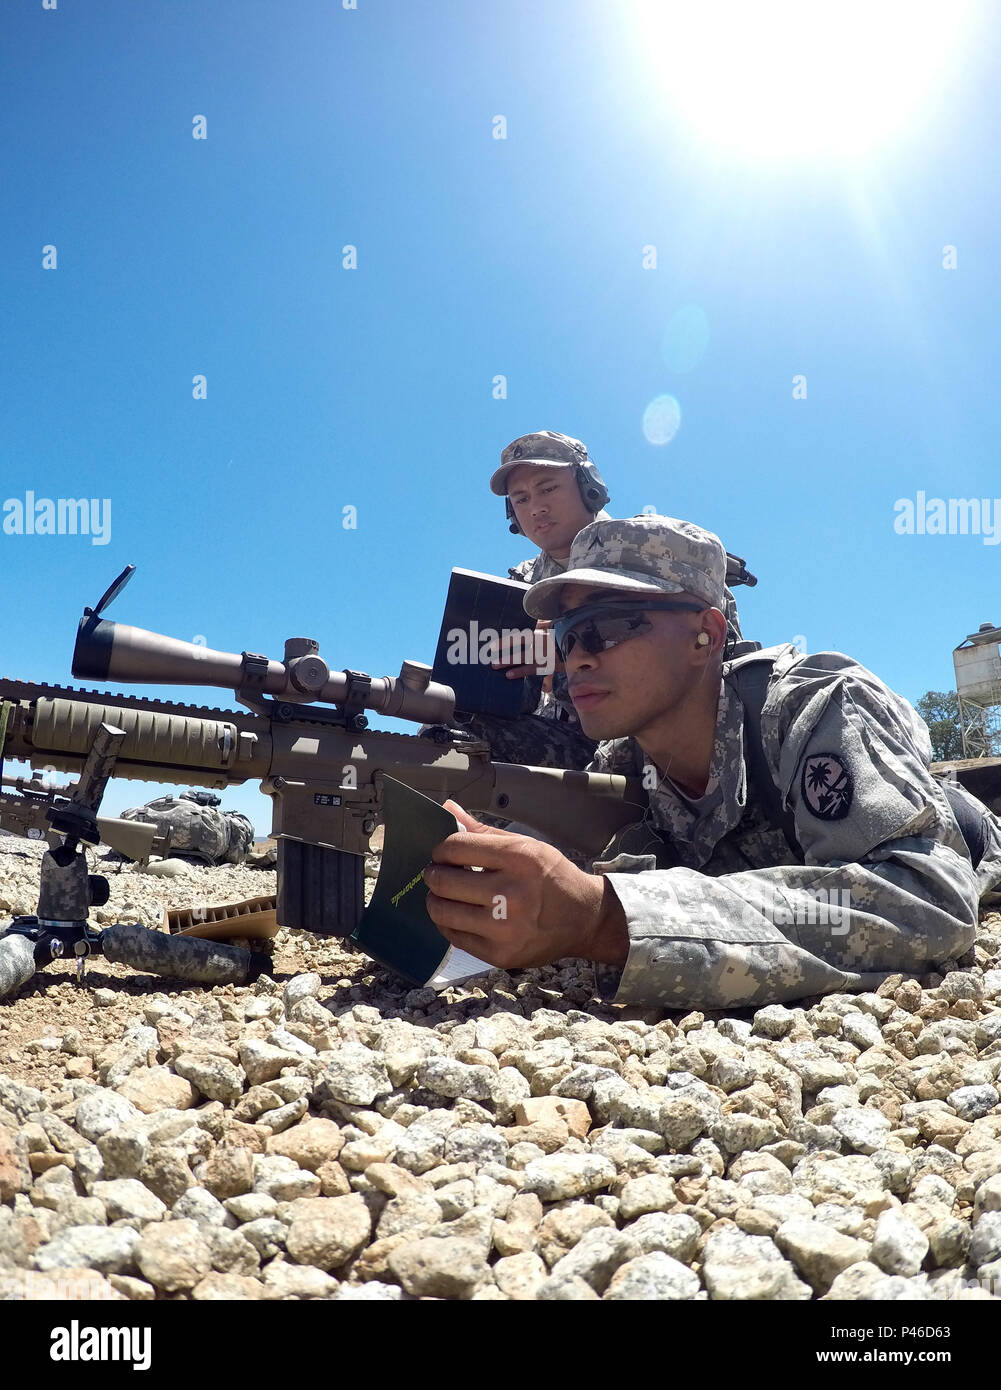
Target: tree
940, 711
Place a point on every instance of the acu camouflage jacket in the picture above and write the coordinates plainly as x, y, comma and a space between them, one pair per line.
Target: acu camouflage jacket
721, 912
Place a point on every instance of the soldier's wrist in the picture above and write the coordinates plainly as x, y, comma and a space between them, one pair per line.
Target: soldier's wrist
609, 939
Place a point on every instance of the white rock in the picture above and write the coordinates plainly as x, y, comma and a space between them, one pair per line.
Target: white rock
562, 1175
449, 1077
290, 1042
301, 987
861, 1030
129, 1200
985, 1245
420, 1149
372, 1292
992, 983
215, 1077
262, 1061
819, 1253
855, 1282
653, 1276
200, 1206
283, 1179
107, 1249
596, 1257
102, 1111
250, 1206
674, 1234
864, 1129
645, 1194
773, 1021
988, 1196
898, 1246
357, 1076
737, 1266
973, 1102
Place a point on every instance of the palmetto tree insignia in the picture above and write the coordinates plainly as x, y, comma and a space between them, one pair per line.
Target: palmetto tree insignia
819, 775
827, 786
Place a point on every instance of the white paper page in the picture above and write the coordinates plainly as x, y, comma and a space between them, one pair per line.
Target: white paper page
457, 965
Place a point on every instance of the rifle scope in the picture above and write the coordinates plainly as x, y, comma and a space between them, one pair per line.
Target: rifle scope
107, 651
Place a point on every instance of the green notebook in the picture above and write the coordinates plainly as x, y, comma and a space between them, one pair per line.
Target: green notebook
395, 928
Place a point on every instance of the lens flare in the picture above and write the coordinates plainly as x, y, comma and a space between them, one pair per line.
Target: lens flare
661, 420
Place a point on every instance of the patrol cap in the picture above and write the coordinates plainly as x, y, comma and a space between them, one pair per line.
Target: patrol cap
638, 555
544, 448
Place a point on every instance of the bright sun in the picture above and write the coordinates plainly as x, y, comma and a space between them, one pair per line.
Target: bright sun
773, 78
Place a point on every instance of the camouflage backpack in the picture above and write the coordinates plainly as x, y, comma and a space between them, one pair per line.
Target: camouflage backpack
198, 829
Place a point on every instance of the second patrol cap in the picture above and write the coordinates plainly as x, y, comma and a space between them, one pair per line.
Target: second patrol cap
545, 448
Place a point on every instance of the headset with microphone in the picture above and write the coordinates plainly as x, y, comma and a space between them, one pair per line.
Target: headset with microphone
593, 491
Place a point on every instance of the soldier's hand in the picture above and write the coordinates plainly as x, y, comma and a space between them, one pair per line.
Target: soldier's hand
528, 905
550, 662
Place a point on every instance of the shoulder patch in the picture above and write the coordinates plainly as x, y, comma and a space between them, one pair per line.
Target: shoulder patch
827, 786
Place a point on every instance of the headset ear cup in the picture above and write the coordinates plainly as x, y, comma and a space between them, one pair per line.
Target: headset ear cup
592, 487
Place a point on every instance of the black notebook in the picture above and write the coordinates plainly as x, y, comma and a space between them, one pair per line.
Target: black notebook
484, 621
395, 928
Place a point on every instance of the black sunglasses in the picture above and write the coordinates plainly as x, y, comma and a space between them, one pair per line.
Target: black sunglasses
598, 626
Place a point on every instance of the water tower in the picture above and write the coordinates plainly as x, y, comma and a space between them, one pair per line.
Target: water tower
978, 684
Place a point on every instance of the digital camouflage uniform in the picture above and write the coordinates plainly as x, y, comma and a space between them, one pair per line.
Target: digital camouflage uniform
721, 912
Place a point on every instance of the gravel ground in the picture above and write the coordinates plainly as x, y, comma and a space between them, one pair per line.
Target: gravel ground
331, 1133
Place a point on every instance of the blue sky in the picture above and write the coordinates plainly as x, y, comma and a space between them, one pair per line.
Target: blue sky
476, 257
